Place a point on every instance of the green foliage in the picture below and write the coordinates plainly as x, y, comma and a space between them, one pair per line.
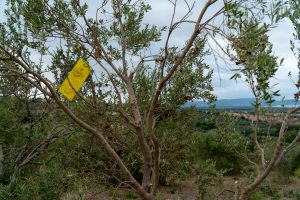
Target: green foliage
206, 175
290, 162
178, 145
276, 191
206, 147
292, 194
131, 195
206, 126
294, 14
297, 172
10, 114
47, 184
191, 81
252, 51
212, 145
58, 23
256, 196
206, 121
255, 53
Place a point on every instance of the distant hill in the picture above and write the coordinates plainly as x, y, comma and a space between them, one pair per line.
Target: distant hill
237, 103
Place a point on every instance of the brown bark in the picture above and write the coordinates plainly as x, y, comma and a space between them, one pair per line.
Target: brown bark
132, 181
147, 157
246, 194
151, 153
276, 158
161, 85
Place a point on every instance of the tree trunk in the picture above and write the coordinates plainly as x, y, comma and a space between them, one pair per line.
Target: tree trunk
246, 194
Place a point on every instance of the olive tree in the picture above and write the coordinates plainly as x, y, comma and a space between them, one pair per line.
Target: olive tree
130, 86
256, 64
138, 75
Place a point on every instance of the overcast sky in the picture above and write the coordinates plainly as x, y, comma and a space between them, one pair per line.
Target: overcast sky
223, 87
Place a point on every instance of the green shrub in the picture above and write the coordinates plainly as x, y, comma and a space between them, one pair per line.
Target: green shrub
297, 172
131, 195
205, 126
290, 162
211, 145
206, 175
256, 196
45, 185
178, 143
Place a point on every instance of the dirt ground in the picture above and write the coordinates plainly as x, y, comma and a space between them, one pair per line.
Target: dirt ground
187, 190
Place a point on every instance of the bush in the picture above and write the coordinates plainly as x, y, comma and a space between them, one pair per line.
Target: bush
297, 172
211, 145
45, 185
206, 175
205, 126
256, 196
290, 162
178, 143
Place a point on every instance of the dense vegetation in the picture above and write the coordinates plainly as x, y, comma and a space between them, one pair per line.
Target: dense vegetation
125, 132
198, 148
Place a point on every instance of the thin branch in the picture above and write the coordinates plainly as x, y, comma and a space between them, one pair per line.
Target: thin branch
82, 124
123, 40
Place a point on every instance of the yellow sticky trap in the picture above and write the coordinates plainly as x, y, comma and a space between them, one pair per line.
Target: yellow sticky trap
75, 79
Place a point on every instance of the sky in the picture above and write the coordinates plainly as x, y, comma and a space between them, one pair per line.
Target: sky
224, 88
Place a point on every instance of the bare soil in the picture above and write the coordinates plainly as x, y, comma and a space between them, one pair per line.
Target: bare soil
187, 190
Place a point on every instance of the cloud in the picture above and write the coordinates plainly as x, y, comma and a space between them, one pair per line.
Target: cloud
161, 14
2, 7
224, 87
